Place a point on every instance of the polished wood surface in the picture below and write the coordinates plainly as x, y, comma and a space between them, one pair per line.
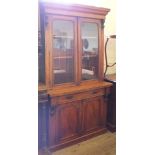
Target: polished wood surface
78, 96
78, 20
58, 92
94, 114
77, 116
77, 110
66, 122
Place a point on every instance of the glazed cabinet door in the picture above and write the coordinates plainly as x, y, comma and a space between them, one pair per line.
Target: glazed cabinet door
64, 124
90, 49
94, 114
62, 47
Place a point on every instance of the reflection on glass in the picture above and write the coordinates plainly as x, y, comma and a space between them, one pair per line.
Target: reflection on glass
63, 51
90, 51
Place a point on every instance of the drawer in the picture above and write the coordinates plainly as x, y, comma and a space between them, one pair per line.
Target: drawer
79, 96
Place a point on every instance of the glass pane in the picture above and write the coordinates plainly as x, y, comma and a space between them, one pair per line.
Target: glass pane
63, 51
41, 60
90, 51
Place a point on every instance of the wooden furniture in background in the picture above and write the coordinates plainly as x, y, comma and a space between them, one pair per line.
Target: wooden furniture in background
111, 113
73, 72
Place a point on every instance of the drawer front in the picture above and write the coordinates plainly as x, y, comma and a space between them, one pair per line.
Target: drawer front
78, 96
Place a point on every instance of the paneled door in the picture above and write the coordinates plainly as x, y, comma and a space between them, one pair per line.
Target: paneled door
94, 114
90, 45
65, 123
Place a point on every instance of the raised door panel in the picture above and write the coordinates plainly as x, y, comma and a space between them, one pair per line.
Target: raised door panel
68, 121
94, 114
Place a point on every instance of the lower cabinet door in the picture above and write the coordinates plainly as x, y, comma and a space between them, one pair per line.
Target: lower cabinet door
94, 114
75, 119
65, 123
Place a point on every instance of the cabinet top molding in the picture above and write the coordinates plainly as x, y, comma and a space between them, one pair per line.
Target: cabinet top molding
75, 10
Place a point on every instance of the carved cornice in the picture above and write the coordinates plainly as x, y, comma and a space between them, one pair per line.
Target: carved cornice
75, 10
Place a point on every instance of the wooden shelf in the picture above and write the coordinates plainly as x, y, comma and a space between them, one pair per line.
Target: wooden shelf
89, 56
66, 37
63, 57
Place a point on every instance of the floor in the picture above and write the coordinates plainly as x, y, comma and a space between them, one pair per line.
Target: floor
101, 145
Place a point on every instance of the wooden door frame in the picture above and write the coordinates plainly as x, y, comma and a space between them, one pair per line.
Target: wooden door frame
100, 49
